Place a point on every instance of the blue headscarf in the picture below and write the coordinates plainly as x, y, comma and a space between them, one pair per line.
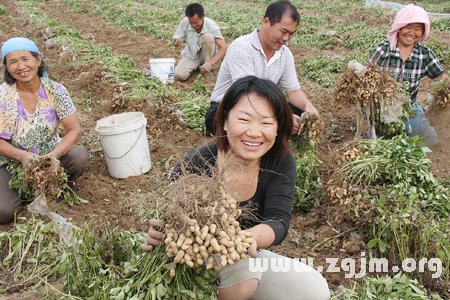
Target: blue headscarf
18, 43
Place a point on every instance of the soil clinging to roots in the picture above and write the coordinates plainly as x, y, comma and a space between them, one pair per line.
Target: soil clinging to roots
378, 98
201, 223
47, 176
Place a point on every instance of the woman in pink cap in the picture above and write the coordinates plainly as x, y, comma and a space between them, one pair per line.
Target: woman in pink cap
408, 61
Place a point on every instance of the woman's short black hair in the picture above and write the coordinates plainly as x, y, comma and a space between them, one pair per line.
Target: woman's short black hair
268, 90
42, 69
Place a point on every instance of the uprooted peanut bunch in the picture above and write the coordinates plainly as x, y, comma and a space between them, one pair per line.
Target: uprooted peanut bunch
441, 95
312, 125
47, 176
380, 101
201, 224
342, 190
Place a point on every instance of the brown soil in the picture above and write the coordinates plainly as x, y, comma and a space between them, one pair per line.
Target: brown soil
119, 201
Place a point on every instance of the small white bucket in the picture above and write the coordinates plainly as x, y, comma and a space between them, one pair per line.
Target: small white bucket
124, 141
163, 68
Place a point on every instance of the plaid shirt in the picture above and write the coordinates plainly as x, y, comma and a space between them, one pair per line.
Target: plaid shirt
422, 62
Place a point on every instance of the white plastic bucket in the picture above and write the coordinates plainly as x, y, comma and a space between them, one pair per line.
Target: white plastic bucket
124, 141
163, 68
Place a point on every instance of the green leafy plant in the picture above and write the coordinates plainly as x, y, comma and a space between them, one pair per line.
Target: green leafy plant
2, 9
323, 70
96, 263
309, 40
394, 194
152, 20
308, 188
201, 87
194, 107
441, 24
341, 8
441, 50
366, 40
155, 279
28, 254
385, 288
18, 181
27, 191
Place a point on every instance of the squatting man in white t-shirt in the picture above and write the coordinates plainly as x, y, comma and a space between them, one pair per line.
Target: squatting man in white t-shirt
205, 45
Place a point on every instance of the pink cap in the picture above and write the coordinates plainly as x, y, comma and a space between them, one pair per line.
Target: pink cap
409, 14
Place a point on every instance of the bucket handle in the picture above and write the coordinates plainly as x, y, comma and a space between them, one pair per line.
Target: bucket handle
128, 151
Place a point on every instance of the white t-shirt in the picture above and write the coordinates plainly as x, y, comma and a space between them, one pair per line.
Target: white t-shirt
186, 32
245, 56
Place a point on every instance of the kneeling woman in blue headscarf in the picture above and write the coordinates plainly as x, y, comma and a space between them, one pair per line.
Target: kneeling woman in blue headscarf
31, 108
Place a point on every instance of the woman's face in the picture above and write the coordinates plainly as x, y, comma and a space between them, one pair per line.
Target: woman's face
22, 65
251, 127
410, 34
